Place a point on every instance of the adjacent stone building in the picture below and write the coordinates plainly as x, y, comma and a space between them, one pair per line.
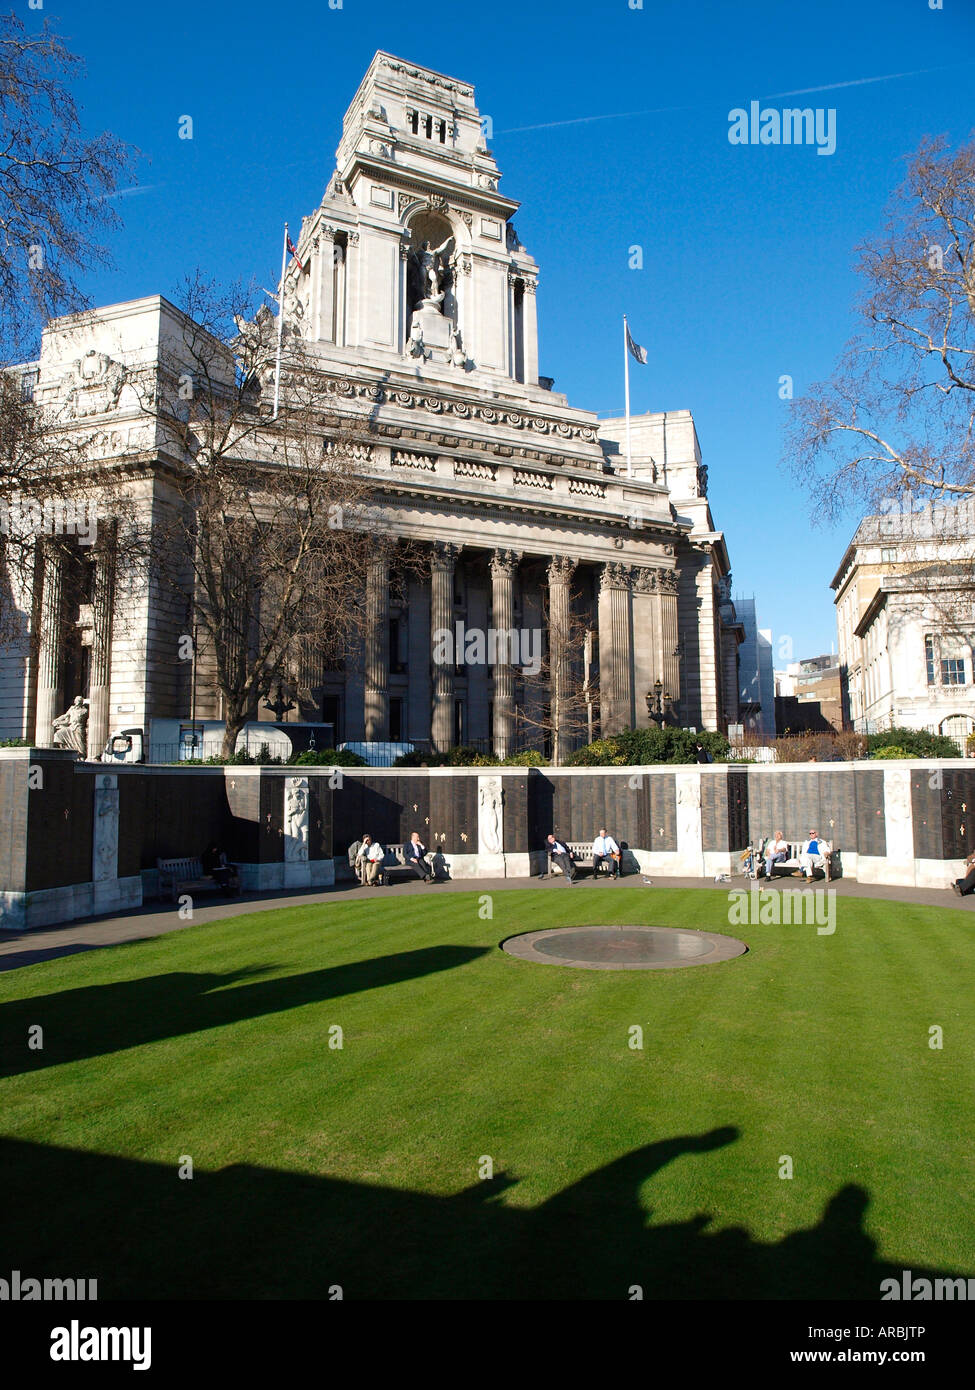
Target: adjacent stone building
415, 302
905, 613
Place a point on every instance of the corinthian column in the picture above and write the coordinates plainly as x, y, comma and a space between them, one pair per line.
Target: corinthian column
443, 558
376, 698
99, 683
616, 649
50, 669
504, 563
559, 617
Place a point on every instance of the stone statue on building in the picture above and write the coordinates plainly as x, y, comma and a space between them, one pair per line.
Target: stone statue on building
433, 266
71, 728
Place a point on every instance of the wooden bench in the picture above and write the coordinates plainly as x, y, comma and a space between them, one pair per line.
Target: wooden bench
581, 851
187, 876
792, 864
394, 862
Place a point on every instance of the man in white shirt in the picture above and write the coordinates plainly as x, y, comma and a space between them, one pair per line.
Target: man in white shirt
815, 855
374, 862
606, 851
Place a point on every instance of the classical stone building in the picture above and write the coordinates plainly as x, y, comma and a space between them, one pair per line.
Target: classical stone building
415, 303
905, 613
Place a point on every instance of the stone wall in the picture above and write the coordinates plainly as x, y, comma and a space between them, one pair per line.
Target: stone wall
79, 838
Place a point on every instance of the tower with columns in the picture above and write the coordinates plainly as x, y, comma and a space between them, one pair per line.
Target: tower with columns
415, 302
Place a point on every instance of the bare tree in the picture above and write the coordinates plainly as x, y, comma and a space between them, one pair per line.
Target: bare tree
269, 524
896, 419
55, 185
559, 709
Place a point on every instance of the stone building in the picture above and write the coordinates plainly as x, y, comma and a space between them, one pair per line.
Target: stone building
905, 613
415, 303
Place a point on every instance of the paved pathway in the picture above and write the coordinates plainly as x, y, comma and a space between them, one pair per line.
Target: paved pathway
45, 943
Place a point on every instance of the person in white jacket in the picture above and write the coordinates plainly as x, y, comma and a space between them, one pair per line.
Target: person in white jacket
815, 855
374, 863
606, 851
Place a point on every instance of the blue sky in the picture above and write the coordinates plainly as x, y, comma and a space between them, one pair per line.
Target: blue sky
747, 251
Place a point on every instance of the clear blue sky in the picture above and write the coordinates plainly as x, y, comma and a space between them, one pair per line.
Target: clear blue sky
748, 251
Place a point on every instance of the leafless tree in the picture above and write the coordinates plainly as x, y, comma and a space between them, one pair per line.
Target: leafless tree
270, 523
559, 709
896, 419
56, 183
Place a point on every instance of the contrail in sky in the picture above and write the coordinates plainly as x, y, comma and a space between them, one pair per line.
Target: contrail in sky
799, 91
131, 192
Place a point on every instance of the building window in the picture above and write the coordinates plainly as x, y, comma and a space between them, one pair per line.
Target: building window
929, 658
413, 117
396, 721
28, 384
888, 555
953, 671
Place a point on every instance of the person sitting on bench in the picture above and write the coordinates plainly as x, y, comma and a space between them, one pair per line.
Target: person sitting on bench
815, 855
966, 885
560, 854
375, 862
416, 858
215, 866
606, 851
775, 850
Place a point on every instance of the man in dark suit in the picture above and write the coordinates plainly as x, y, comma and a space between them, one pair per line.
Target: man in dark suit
416, 858
559, 851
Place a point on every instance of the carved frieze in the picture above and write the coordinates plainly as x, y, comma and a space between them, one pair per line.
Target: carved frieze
463, 409
616, 576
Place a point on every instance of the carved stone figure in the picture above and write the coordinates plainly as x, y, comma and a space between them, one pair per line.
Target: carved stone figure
296, 820
458, 357
490, 798
433, 266
71, 728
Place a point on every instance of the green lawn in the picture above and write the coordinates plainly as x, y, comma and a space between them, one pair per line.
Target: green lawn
613, 1167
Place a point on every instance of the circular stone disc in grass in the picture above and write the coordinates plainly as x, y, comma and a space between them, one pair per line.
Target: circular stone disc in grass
624, 948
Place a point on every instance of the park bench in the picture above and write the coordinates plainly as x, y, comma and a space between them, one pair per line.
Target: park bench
581, 851
394, 863
187, 876
791, 865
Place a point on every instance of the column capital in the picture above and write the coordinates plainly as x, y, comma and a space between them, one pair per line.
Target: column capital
668, 581
616, 576
443, 555
560, 569
504, 563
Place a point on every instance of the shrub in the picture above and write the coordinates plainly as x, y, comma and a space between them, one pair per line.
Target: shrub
15, 743
640, 747
329, 757
892, 751
530, 758
917, 743
832, 747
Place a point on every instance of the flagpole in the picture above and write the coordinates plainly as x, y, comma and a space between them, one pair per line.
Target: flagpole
626, 374
277, 359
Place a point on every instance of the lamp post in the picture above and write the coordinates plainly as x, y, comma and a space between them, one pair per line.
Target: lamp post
660, 705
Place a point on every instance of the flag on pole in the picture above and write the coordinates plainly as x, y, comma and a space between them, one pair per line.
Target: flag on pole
294, 251
637, 351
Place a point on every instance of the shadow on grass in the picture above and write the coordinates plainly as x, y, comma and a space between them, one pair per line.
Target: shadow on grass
99, 1019
248, 1232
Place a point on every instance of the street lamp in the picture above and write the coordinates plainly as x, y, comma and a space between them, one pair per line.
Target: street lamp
660, 704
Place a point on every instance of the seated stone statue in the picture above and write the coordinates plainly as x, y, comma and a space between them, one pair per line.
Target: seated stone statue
71, 728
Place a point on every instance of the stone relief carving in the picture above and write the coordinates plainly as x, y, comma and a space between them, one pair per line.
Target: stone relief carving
99, 381
296, 820
490, 798
688, 809
104, 858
